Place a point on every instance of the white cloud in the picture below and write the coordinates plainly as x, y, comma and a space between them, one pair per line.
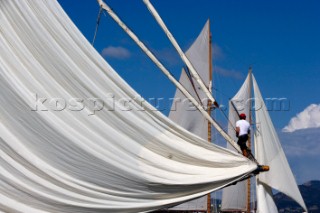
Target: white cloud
228, 73
304, 142
217, 52
115, 52
308, 118
167, 55
302, 149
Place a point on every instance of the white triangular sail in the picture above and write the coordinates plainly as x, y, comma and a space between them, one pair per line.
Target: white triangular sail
183, 112
68, 143
269, 152
234, 197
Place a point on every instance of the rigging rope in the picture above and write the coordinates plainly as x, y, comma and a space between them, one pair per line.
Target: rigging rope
186, 69
97, 24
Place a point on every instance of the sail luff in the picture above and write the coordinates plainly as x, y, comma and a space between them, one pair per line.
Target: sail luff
179, 50
170, 77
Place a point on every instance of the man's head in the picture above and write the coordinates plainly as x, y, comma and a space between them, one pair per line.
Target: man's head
242, 116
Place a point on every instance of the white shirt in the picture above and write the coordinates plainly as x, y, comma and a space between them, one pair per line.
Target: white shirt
244, 126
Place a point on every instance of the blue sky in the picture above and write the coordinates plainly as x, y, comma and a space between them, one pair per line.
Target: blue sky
279, 39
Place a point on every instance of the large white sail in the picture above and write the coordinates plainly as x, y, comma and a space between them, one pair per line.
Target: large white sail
235, 197
269, 152
183, 112
68, 143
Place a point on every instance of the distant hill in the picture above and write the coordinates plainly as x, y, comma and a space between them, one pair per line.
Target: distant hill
311, 194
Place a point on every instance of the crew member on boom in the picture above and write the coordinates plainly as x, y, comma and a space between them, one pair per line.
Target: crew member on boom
242, 132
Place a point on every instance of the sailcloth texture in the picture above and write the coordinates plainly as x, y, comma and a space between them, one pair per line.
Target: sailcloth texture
183, 112
74, 137
268, 151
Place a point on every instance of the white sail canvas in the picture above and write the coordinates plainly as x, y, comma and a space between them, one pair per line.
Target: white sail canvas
269, 152
116, 158
183, 112
235, 197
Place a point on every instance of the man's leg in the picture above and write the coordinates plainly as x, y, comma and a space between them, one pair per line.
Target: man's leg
243, 146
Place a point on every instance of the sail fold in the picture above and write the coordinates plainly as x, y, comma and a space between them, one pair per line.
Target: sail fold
68, 143
265, 202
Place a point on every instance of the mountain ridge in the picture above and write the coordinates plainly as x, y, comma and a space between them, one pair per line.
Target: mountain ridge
310, 192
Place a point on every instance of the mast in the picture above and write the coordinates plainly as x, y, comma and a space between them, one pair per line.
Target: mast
209, 104
249, 139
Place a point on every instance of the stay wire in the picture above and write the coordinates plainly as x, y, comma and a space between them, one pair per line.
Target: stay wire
97, 25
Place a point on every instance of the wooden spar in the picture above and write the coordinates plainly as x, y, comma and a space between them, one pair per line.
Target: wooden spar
209, 105
249, 141
184, 58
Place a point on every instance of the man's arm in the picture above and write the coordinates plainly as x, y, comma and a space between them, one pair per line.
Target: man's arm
237, 131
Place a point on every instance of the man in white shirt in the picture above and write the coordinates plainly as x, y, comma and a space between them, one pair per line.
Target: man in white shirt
242, 132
